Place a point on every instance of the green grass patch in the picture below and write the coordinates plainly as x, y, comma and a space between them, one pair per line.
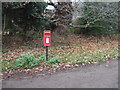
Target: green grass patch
6, 65
94, 57
30, 60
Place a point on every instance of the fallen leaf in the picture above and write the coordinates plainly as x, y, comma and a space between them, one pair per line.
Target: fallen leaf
76, 65
67, 65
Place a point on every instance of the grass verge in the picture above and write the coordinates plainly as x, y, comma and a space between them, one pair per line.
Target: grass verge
83, 51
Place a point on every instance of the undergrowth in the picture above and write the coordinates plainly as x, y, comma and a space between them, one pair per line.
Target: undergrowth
83, 50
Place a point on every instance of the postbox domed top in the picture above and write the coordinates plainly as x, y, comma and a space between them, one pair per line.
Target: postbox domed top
47, 31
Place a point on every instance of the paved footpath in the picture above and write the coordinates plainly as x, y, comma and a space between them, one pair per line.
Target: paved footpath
104, 75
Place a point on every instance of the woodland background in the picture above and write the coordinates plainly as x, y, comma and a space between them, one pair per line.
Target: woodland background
82, 32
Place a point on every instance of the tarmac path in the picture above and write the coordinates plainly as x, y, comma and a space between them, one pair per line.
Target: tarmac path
104, 75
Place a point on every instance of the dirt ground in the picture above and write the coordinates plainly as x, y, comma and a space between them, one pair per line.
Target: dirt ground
103, 75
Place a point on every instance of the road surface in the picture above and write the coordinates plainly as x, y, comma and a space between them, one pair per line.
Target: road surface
104, 75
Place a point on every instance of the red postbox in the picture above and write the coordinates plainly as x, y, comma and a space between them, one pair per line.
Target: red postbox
47, 38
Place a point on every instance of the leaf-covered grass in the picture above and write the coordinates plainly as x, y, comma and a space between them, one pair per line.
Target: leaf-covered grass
82, 50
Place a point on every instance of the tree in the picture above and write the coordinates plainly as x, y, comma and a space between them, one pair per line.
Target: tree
20, 17
98, 18
63, 13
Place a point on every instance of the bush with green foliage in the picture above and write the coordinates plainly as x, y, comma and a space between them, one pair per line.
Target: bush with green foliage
20, 17
28, 61
99, 18
54, 60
